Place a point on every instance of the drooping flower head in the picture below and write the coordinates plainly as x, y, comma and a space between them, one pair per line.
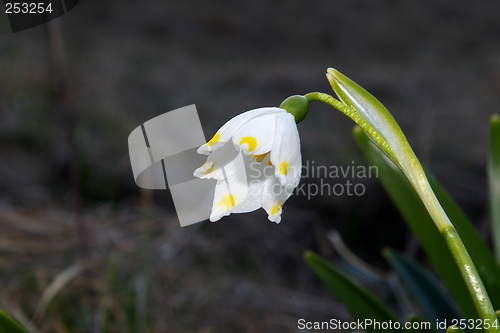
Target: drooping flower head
255, 158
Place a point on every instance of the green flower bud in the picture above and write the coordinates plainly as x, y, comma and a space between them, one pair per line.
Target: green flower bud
297, 105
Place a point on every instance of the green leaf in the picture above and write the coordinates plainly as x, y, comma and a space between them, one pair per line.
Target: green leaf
415, 214
494, 180
359, 301
434, 302
367, 112
358, 98
9, 324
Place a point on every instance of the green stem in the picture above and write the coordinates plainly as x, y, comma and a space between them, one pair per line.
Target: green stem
457, 248
411, 167
472, 280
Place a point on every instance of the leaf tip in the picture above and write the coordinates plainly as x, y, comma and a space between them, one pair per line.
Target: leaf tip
356, 131
332, 71
308, 255
495, 120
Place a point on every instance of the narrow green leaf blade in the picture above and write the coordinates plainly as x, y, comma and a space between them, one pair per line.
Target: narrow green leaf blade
9, 324
359, 301
419, 221
494, 181
380, 124
355, 96
434, 302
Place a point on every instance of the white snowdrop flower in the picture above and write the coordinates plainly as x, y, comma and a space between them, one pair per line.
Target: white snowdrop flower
267, 171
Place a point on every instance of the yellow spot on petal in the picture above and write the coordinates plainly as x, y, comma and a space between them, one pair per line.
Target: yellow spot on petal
284, 168
276, 208
260, 158
214, 140
250, 141
228, 201
210, 169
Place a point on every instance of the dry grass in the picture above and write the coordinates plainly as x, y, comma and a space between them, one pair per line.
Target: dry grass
146, 274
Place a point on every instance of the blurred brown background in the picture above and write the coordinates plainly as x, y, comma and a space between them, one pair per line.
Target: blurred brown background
434, 64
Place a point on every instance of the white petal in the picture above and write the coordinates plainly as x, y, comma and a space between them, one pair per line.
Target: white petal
257, 135
231, 190
204, 171
217, 159
225, 133
273, 198
256, 176
285, 153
